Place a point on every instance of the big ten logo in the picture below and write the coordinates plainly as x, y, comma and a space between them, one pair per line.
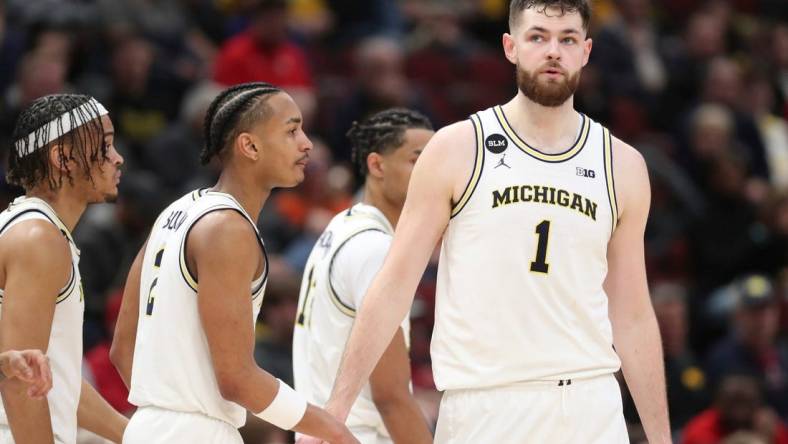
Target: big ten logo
582, 172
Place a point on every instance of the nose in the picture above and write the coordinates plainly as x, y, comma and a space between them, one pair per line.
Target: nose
307, 145
553, 52
115, 157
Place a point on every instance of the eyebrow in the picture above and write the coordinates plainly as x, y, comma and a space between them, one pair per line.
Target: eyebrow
109, 133
293, 120
546, 31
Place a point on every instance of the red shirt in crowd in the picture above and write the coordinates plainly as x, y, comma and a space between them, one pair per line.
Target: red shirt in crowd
707, 429
242, 60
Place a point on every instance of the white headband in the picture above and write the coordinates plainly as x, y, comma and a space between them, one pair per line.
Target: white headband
79, 115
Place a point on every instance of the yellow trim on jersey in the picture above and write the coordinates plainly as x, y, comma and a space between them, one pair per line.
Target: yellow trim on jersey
611, 183
533, 152
66, 291
478, 163
187, 276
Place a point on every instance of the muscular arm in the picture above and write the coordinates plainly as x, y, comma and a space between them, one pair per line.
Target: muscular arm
122, 351
424, 218
37, 264
635, 332
225, 255
96, 415
390, 384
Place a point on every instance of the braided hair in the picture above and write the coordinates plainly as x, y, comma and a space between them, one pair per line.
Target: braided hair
382, 132
232, 112
28, 163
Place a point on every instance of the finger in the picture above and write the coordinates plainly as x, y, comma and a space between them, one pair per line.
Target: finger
17, 367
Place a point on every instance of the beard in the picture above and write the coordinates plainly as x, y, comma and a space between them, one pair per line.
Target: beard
547, 93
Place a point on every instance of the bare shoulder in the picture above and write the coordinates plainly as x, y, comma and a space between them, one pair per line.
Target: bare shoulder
222, 234
448, 159
633, 189
38, 248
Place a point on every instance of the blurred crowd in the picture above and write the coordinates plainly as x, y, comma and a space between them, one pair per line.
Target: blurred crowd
699, 87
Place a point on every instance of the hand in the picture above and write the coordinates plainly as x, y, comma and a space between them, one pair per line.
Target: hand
345, 438
30, 366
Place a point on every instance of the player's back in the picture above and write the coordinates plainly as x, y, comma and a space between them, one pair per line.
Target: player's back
65, 338
523, 261
326, 314
172, 367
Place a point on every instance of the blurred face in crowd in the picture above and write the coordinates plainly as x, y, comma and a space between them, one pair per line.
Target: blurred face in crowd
39, 76
131, 65
758, 325
738, 399
393, 168
269, 25
549, 50
380, 71
281, 143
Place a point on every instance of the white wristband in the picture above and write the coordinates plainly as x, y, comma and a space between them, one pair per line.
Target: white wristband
286, 410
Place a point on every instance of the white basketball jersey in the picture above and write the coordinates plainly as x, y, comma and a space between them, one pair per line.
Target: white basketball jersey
65, 338
524, 256
172, 366
325, 318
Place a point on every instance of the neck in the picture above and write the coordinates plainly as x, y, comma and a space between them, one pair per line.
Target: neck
375, 197
552, 129
250, 195
67, 203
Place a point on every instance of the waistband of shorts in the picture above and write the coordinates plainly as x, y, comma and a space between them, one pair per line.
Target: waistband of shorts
538, 384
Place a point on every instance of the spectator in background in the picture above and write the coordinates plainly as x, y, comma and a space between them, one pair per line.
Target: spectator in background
357, 20
380, 83
779, 42
263, 52
738, 408
141, 106
627, 54
772, 128
171, 155
753, 347
686, 381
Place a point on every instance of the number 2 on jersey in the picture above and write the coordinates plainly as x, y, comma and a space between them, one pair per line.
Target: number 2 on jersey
151, 297
539, 264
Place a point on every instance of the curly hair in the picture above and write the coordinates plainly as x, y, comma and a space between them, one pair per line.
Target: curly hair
382, 132
583, 7
28, 163
232, 112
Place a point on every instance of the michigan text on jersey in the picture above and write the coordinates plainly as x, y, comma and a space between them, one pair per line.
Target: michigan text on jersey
545, 195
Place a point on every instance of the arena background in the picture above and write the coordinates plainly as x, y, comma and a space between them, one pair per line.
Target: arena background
698, 87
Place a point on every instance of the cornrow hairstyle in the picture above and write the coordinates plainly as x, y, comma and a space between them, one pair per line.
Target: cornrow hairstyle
57, 120
583, 7
382, 132
233, 111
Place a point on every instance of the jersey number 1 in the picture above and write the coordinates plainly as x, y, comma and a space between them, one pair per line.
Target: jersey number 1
539, 265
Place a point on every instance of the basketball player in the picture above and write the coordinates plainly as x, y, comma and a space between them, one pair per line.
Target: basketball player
542, 267
340, 268
64, 158
185, 336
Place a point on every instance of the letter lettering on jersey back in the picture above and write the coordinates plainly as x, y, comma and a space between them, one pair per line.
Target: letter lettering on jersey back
563, 198
590, 209
577, 202
540, 194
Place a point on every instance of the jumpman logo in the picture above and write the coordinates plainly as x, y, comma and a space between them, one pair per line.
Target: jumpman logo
502, 162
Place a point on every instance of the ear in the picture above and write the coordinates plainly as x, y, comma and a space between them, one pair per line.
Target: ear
375, 165
246, 146
509, 48
61, 163
587, 44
